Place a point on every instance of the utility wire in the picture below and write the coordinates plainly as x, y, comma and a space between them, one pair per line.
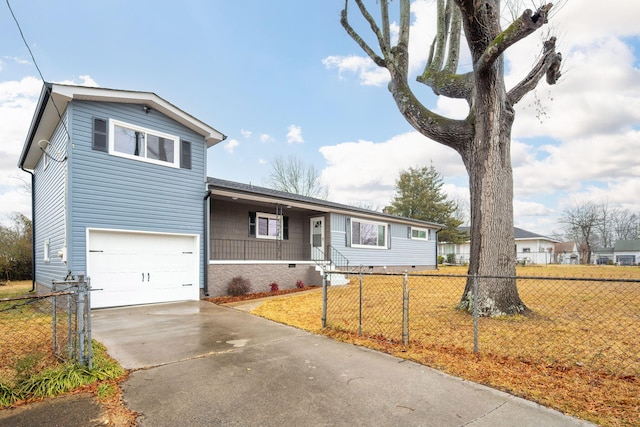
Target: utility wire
39, 73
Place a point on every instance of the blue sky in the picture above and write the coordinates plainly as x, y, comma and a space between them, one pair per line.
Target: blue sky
282, 78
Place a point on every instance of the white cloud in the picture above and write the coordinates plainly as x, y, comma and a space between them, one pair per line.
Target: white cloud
266, 138
367, 71
85, 80
231, 145
17, 103
262, 162
18, 99
366, 171
294, 135
246, 133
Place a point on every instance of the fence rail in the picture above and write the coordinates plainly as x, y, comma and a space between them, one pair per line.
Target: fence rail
589, 322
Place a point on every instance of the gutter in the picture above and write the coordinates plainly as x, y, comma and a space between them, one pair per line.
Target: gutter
33, 229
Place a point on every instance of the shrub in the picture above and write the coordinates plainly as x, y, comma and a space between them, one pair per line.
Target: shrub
239, 286
440, 259
274, 287
451, 258
299, 284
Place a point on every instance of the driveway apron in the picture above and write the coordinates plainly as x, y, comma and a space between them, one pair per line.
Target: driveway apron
196, 364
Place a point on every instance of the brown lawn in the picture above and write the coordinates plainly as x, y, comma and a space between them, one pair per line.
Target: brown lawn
578, 351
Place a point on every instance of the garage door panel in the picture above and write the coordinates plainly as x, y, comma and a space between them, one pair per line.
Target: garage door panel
129, 268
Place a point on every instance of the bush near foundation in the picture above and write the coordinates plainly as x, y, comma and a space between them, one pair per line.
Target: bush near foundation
239, 286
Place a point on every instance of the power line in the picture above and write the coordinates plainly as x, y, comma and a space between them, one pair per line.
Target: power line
25, 41
39, 72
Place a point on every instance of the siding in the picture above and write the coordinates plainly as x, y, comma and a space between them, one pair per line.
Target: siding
403, 251
113, 192
49, 217
229, 220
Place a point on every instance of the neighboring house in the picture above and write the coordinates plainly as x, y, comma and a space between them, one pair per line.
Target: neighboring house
120, 193
272, 236
603, 256
529, 248
624, 252
566, 253
627, 252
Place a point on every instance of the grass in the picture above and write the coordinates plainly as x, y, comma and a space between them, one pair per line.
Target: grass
60, 378
577, 352
15, 289
29, 371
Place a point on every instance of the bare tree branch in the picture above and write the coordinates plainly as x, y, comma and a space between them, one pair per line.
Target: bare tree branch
445, 81
518, 30
363, 45
549, 65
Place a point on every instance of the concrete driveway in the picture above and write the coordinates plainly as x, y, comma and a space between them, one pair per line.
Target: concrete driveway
196, 364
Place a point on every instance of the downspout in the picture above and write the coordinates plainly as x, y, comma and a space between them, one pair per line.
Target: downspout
33, 229
206, 244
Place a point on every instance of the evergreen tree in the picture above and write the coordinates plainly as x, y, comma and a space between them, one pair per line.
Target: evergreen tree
419, 196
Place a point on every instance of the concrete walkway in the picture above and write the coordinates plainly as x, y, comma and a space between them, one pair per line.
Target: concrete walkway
198, 364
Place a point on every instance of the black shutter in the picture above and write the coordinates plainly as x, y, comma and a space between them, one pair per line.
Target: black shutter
185, 155
252, 224
285, 228
348, 232
100, 135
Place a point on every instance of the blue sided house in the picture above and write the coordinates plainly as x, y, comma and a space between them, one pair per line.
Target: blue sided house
120, 193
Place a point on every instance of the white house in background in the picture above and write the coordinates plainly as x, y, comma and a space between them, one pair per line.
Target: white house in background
529, 248
566, 253
624, 252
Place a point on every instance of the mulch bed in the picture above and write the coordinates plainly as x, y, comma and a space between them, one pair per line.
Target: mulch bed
247, 297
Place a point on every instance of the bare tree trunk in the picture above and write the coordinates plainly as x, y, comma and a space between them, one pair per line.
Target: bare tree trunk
488, 163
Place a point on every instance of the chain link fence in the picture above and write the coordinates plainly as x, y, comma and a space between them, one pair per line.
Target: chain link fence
39, 331
589, 322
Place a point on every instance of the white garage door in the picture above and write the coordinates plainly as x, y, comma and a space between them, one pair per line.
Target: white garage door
128, 268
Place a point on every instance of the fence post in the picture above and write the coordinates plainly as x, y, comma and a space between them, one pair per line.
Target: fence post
475, 313
80, 317
54, 320
324, 299
405, 309
360, 308
87, 302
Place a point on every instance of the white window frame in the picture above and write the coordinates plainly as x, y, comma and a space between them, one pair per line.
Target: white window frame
143, 158
427, 233
374, 223
268, 217
46, 248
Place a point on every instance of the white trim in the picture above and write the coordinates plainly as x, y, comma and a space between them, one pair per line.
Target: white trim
268, 216
143, 158
427, 233
377, 224
261, 262
47, 247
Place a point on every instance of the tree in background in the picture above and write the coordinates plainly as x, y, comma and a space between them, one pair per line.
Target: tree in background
292, 175
419, 196
580, 221
15, 249
483, 138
